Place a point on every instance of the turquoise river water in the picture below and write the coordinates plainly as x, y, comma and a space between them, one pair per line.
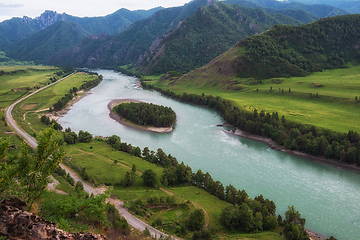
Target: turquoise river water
327, 196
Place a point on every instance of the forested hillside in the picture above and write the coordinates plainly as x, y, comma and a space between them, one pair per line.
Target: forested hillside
179, 38
127, 46
352, 6
40, 46
212, 30
286, 51
320, 10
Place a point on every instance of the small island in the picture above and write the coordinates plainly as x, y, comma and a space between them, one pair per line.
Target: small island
141, 115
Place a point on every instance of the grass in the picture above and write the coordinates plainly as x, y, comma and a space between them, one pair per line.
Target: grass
335, 107
27, 114
98, 159
14, 86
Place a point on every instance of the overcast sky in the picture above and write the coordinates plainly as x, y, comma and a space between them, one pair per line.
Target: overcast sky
79, 8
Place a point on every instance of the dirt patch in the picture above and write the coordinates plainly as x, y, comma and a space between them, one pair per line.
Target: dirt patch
316, 85
29, 106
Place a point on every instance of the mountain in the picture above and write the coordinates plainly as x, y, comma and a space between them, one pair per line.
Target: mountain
112, 23
79, 55
285, 51
41, 45
318, 10
347, 5
127, 46
212, 30
16, 29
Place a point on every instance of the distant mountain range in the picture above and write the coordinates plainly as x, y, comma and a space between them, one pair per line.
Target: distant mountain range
154, 41
17, 29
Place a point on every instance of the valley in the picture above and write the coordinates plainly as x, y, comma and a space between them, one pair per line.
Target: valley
287, 71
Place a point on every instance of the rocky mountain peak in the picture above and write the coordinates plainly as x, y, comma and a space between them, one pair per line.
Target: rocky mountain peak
48, 18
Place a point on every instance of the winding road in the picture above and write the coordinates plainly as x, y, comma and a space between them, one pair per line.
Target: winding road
132, 221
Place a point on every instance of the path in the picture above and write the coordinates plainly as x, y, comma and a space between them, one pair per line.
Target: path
133, 221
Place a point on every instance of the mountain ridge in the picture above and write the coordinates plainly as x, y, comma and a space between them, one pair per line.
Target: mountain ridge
286, 51
16, 29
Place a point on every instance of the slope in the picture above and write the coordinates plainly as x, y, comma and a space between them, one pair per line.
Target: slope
209, 32
41, 45
318, 10
352, 6
286, 51
127, 46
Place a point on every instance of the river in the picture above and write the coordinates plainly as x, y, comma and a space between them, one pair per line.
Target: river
327, 196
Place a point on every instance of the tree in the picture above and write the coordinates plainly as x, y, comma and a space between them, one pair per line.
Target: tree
34, 170
133, 169
149, 178
70, 137
84, 137
294, 225
196, 220
128, 179
113, 140
79, 186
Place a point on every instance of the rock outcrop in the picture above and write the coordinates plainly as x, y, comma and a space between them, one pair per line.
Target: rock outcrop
16, 223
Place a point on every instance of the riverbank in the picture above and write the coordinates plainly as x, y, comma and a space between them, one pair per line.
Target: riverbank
127, 123
272, 144
58, 114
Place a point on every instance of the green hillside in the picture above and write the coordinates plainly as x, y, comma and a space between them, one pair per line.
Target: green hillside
40, 46
212, 30
320, 10
127, 46
266, 72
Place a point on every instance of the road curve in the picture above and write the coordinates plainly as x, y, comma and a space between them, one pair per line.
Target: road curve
132, 221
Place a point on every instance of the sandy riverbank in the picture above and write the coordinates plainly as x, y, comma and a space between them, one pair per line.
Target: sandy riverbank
62, 112
122, 121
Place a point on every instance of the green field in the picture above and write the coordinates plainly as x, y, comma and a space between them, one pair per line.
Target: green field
27, 114
98, 159
20, 81
325, 99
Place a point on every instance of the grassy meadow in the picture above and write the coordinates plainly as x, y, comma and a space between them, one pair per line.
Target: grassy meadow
28, 113
16, 82
98, 158
325, 99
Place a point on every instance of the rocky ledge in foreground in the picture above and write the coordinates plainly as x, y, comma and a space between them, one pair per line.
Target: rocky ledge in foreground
16, 223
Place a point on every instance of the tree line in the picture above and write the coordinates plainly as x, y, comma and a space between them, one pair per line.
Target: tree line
245, 214
73, 92
343, 147
146, 114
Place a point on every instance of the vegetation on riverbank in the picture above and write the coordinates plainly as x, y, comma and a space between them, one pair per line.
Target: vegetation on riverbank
137, 185
343, 147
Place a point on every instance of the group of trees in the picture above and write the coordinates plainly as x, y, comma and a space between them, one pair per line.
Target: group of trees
71, 137
146, 114
46, 120
344, 147
286, 51
245, 214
